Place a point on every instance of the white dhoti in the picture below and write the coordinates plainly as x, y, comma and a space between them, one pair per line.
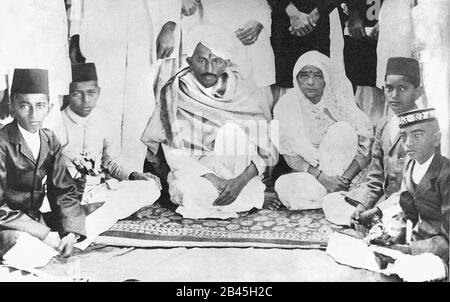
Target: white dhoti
196, 195
121, 199
302, 191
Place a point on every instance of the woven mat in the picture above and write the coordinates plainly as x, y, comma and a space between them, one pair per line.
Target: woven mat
156, 226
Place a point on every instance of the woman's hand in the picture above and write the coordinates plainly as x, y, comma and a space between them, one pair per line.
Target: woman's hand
333, 183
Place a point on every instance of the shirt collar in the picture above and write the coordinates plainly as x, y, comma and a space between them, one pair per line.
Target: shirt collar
27, 134
425, 165
78, 119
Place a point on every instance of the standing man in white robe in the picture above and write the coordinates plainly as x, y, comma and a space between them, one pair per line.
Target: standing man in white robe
33, 34
250, 22
123, 37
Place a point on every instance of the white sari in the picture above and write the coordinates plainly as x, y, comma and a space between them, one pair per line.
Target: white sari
329, 134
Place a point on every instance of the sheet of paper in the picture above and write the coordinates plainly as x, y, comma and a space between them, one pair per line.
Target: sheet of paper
351, 251
29, 252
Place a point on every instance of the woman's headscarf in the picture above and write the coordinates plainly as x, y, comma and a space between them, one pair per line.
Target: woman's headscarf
294, 109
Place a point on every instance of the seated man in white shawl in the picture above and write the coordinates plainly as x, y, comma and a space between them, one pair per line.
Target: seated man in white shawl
200, 123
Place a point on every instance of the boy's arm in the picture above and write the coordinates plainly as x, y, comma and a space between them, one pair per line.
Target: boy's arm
62, 193
15, 219
438, 244
111, 152
372, 189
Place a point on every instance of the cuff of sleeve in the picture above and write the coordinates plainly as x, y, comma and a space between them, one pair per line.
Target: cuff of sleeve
75, 225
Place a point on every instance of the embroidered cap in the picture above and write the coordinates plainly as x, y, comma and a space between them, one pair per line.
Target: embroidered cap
404, 66
84, 72
30, 81
416, 116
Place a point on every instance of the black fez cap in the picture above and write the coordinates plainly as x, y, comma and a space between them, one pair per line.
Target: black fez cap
416, 116
404, 66
84, 72
30, 81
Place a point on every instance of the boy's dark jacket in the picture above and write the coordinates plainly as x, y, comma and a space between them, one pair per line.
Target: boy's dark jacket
22, 187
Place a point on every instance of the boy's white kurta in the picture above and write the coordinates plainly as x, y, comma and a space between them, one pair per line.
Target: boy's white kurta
255, 61
93, 136
119, 37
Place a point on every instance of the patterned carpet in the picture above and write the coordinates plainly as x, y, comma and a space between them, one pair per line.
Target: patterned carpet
156, 226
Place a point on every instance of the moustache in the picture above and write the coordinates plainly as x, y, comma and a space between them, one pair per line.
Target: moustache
209, 74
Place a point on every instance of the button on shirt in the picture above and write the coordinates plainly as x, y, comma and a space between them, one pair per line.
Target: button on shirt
33, 141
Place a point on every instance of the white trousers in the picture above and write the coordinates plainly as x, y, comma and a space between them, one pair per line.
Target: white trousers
121, 199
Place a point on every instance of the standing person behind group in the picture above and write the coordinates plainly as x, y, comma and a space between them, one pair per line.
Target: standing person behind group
250, 22
34, 34
91, 150
299, 26
325, 139
124, 38
383, 180
360, 56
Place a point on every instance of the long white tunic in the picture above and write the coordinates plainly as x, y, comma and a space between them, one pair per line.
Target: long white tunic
119, 36
34, 35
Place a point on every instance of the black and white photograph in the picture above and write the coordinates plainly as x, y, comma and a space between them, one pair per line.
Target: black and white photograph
224, 141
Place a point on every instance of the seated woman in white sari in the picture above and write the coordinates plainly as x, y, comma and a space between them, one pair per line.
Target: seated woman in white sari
325, 139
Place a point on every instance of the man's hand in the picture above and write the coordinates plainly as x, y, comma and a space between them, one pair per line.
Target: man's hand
145, 176
165, 43
232, 189
300, 22
66, 246
333, 183
355, 26
189, 7
271, 201
375, 31
313, 17
366, 218
53, 240
249, 33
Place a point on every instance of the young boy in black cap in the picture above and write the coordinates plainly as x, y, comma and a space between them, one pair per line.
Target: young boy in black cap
32, 166
92, 150
425, 196
383, 180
